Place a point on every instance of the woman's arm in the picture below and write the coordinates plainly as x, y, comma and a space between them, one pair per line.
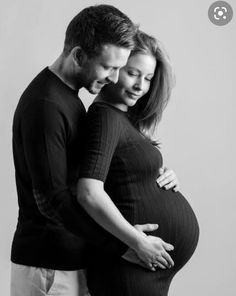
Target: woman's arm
103, 135
93, 198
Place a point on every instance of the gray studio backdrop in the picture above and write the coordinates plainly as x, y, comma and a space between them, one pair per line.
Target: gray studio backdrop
196, 131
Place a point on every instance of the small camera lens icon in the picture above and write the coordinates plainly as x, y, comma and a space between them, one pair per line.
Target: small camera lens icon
220, 13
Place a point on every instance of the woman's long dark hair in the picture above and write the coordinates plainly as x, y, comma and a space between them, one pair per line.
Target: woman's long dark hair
147, 112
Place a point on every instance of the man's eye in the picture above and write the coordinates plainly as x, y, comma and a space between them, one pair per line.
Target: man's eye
132, 73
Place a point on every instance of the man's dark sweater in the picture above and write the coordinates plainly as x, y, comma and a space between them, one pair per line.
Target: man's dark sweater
53, 231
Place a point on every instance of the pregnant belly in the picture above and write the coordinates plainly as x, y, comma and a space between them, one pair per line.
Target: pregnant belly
177, 222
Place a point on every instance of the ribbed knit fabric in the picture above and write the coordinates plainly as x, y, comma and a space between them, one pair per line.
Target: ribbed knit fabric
53, 231
129, 166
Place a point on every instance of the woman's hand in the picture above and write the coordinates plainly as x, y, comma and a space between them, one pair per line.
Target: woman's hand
168, 179
150, 249
153, 251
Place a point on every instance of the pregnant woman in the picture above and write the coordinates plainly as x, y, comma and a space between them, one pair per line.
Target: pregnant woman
118, 185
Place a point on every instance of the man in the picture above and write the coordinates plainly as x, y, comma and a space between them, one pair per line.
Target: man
49, 248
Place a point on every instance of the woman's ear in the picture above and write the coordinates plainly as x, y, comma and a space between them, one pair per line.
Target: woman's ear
79, 55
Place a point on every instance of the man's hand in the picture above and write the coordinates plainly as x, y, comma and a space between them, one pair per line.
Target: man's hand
130, 254
163, 261
132, 257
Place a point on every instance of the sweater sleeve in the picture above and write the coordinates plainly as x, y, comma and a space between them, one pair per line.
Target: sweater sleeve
103, 133
102, 137
44, 134
44, 141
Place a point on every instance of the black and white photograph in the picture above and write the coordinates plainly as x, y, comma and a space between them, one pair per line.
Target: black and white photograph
118, 142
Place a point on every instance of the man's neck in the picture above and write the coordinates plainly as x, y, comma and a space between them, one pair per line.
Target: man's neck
63, 70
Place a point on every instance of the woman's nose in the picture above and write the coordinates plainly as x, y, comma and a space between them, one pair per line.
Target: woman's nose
139, 84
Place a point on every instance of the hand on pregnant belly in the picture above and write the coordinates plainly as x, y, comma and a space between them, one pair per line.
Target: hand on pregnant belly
153, 251
168, 179
131, 256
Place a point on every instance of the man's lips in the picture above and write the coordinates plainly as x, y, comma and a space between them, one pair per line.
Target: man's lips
101, 84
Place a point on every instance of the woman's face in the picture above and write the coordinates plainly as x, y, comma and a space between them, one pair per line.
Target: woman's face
134, 81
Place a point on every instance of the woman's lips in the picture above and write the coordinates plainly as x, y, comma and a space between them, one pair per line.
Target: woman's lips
133, 95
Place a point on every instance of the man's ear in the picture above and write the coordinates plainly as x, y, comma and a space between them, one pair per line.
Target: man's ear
79, 55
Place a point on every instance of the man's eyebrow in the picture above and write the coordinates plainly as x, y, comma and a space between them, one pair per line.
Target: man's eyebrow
109, 66
133, 68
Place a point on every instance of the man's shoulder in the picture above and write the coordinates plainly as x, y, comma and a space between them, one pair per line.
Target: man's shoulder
46, 89
37, 88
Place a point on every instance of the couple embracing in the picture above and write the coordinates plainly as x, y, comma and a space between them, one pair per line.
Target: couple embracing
98, 210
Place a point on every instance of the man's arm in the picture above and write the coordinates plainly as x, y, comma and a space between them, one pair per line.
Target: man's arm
44, 136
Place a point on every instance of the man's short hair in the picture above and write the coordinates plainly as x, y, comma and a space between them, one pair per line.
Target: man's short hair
97, 25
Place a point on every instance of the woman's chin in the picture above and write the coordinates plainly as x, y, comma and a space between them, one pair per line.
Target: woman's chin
131, 102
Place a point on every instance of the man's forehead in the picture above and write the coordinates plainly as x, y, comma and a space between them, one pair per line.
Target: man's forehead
111, 53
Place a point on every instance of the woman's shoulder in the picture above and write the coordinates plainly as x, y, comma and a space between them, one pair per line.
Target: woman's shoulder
100, 109
105, 117
108, 120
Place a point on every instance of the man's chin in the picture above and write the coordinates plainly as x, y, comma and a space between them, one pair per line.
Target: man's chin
95, 90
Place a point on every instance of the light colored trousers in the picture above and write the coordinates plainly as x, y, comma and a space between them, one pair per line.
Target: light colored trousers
34, 281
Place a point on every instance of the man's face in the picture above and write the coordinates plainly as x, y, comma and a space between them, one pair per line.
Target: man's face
103, 68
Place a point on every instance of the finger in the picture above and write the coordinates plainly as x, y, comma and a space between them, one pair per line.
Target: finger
161, 260
176, 188
150, 266
158, 264
161, 170
168, 259
166, 182
168, 247
170, 185
167, 176
147, 227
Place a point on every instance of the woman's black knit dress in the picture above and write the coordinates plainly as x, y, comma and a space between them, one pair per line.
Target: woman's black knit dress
129, 166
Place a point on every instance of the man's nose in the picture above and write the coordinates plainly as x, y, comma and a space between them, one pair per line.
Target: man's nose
114, 76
